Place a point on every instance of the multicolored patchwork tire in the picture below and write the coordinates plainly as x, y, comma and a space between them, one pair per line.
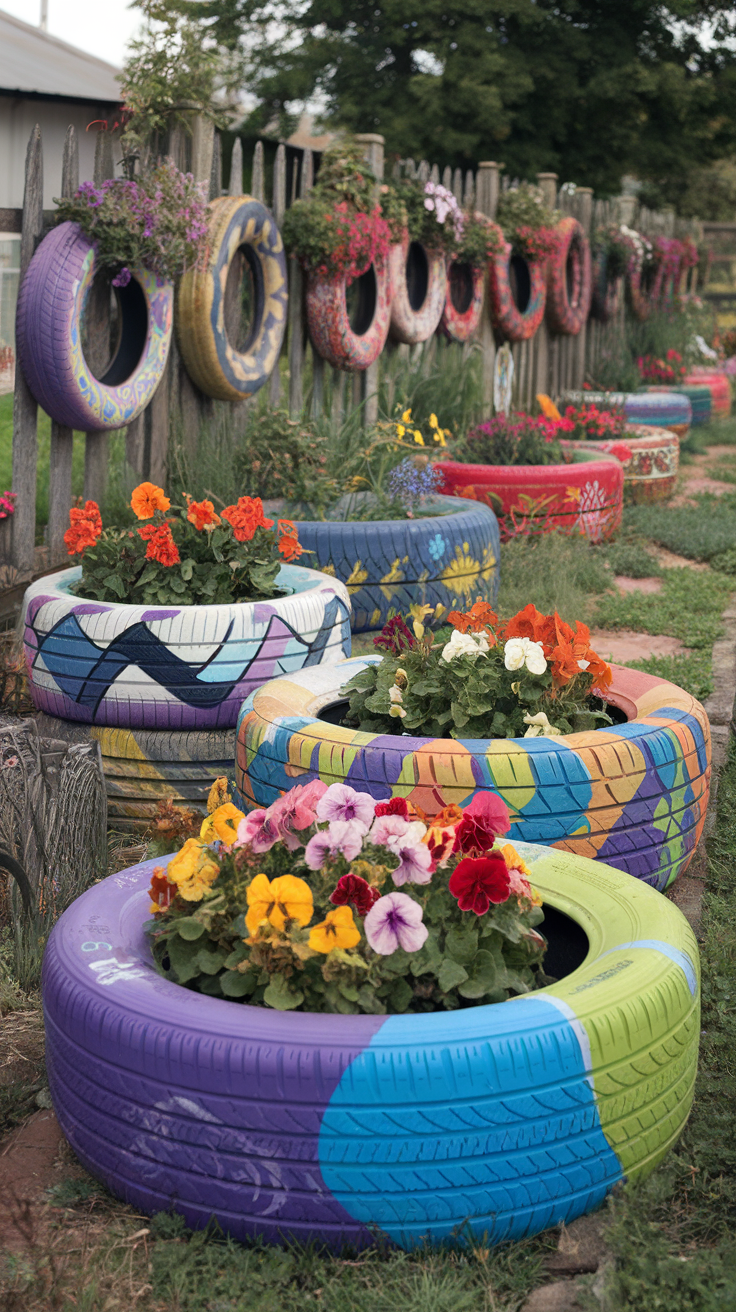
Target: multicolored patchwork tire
169, 667
700, 397
51, 306
651, 460
518, 310
449, 559
585, 496
418, 286
656, 409
634, 795
349, 341
492, 1122
569, 285
719, 386
238, 225
463, 301
143, 767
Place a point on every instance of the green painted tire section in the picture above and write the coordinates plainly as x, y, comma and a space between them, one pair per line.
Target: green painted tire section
217, 367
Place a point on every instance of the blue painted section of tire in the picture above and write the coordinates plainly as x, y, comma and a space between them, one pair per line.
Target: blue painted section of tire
449, 559
219, 367
51, 305
701, 401
492, 1121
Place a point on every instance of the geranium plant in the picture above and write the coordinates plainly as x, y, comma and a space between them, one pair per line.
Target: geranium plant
158, 221
588, 421
527, 221
339, 228
181, 555
329, 901
533, 675
654, 369
514, 439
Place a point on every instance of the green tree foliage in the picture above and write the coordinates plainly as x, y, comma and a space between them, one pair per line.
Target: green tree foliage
588, 89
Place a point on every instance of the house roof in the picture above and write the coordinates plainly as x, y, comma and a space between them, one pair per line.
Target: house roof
34, 63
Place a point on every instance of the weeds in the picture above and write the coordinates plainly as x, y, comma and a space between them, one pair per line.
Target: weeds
697, 532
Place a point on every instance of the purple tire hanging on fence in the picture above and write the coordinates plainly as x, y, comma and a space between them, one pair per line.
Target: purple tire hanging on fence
51, 306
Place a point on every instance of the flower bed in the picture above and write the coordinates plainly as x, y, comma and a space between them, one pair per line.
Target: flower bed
656, 408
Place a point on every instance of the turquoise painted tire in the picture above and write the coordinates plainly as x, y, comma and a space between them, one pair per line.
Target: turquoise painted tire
634, 795
488, 1123
218, 366
700, 398
450, 558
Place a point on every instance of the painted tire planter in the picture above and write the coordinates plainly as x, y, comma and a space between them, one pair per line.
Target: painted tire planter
451, 558
585, 496
349, 340
518, 293
171, 667
51, 304
655, 409
633, 795
640, 291
719, 386
239, 226
700, 398
605, 291
569, 284
463, 301
288, 1125
651, 465
143, 767
418, 287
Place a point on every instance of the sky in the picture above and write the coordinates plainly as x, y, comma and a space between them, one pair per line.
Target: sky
101, 27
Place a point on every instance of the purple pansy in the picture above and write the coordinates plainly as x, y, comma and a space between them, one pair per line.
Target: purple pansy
395, 921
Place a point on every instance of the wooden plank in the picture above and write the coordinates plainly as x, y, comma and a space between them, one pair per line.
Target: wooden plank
62, 439
434, 174
374, 147
203, 143
457, 185
257, 185
216, 171
278, 206
235, 186
97, 314
25, 409
296, 306
447, 178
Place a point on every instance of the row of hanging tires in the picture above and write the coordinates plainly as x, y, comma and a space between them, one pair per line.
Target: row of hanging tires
409, 297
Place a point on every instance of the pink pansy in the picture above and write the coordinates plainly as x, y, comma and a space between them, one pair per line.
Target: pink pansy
258, 831
403, 838
395, 921
343, 837
340, 802
388, 829
295, 811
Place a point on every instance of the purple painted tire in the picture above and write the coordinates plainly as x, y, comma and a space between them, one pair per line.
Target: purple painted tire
418, 286
51, 304
169, 667
349, 341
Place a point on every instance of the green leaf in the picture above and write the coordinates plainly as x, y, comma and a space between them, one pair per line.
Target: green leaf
281, 996
401, 995
183, 958
187, 569
485, 975
211, 962
115, 583
461, 943
189, 928
238, 954
450, 974
235, 985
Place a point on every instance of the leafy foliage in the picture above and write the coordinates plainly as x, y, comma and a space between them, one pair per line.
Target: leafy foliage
513, 439
527, 221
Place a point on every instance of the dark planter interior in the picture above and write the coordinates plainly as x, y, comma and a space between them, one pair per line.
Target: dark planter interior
417, 275
461, 286
360, 298
520, 281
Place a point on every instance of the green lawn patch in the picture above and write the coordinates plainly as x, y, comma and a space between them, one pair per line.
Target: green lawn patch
697, 532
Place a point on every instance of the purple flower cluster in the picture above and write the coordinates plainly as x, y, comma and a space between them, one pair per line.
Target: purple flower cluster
409, 482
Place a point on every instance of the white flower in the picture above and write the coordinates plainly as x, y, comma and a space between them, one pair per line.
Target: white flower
395, 695
583, 665
397, 711
465, 644
539, 725
519, 652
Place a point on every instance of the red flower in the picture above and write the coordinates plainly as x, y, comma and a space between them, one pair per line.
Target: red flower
476, 882
85, 526
351, 888
246, 517
396, 806
482, 822
395, 637
161, 891
202, 514
161, 545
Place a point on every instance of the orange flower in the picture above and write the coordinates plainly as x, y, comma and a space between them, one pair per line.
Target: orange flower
161, 545
85, 526
147, 499
161, 892
601, 671
289, 547
246, 517
202, 514
480, 617
548, 407
530, 623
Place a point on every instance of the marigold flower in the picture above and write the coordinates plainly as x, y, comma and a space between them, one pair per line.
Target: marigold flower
282, 899
352, 888
477, 882
161, 545
202, 515
246, 517
222, 823
147, 499
337, 930
193, 870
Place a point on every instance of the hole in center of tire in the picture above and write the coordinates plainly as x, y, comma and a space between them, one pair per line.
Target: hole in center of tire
461, 286
360, 301
113, 329
417, 275
520, 282
239, 302
572, 281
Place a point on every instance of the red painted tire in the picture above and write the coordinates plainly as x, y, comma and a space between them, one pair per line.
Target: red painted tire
569, 283
639, 297
719, 385
584, 497
606, 292
345, 345
463, 301
51, 306
518, 292
418, 285
650, 458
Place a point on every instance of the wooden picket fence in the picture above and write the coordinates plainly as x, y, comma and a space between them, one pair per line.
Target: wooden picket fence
548, 363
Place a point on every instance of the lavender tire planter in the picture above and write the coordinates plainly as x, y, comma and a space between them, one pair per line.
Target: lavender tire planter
51, 306
418, 286
169, 667
349, 340
491, 1122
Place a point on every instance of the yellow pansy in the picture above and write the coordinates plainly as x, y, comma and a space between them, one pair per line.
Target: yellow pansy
337, 930
439, 436
418, 437
433, 421
193, 870
218, 795
406, 417
278, 900
222, 824
419, 614
400, 430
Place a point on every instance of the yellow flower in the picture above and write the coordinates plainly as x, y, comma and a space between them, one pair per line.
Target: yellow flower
337, 930
547, 406
433, 421
222, 824
400, 430
193, 870
218, 795
440, 437
406, 417
284, 898
419, 614
513, 860
418, 437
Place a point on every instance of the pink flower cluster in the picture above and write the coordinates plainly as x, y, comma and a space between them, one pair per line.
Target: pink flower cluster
442, 203
7, 504
655, 370
361, 240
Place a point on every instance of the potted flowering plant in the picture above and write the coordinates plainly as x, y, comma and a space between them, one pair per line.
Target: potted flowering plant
328, 901
671, 369
191, 608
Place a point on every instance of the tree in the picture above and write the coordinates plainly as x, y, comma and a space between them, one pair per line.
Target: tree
590, 90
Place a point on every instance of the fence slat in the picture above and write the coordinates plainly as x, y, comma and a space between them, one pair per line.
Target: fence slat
235, 186
278, 206
97, 310
484, 200
457, 185
257, 185
296, 306
25, 409
62, 439
216, 170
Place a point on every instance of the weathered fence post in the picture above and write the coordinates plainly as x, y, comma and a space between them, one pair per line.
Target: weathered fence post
486, 200
235, 185
278, 205
62, 439
97, 313
545, 374
25, 409
257, 180
373, 148
296, 304
585, 218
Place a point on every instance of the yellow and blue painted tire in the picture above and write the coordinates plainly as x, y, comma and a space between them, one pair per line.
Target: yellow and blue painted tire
488, 1123
634, 794
217, 367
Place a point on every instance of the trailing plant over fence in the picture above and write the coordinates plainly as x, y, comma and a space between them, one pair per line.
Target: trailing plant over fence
527, 221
